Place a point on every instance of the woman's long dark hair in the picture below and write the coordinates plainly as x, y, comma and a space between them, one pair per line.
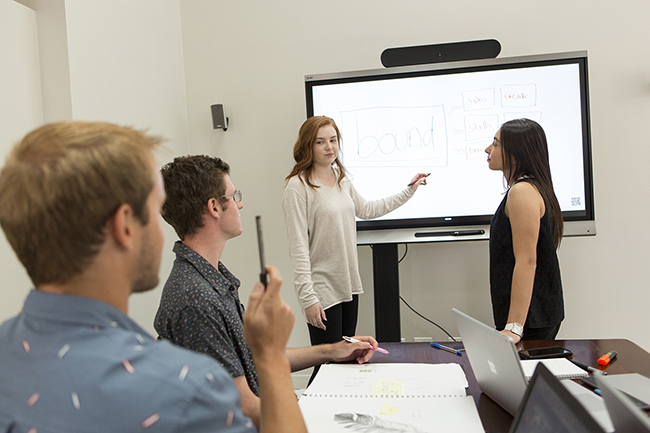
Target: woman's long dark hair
303, 150
525, 153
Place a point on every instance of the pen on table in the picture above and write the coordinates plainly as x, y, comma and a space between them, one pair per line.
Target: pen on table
587, 367
354, 340
448, 349
426, 175
606, 358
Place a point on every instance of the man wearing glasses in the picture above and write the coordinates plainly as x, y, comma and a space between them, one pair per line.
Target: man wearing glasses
200, 307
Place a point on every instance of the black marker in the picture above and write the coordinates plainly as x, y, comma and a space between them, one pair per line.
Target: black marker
426, 175
588, 368
260, 246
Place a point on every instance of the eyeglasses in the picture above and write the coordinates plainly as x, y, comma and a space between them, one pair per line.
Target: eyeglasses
237, 196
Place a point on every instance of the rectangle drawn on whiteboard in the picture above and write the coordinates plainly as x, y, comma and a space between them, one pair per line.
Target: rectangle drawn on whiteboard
519, 95
389, 136
481, 127
478, 99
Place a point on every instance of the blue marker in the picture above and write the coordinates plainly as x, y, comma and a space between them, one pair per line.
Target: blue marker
448, 349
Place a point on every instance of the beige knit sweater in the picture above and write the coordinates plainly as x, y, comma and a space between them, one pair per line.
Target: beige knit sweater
322, 236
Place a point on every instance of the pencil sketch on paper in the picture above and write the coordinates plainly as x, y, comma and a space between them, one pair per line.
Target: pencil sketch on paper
371, 424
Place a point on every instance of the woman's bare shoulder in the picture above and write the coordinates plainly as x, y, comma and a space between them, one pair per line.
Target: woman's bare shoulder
524, 196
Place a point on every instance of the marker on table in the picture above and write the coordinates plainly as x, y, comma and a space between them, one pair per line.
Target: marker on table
426, 175
606, 358
587, 367
448, 349
354, 340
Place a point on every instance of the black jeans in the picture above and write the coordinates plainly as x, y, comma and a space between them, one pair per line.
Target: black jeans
341, 320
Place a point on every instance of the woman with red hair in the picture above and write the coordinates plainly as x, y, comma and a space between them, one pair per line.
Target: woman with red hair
320, 204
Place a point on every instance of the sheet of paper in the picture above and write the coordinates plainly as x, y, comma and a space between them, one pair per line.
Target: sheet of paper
390, 414
389, 379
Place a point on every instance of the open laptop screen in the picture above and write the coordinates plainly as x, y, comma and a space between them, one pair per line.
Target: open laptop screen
494, 361
548, 407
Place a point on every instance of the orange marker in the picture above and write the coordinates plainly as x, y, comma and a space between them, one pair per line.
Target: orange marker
606, 358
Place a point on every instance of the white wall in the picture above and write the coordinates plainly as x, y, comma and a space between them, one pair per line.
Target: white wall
126, 63
126, 67
20, 111
113, 60
252, 57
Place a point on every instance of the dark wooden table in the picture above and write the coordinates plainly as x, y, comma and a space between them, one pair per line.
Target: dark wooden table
631, 359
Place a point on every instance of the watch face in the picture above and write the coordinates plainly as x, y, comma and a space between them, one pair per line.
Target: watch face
515, 328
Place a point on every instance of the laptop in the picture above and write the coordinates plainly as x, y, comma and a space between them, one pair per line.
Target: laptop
549, 407
494, 360
625, 415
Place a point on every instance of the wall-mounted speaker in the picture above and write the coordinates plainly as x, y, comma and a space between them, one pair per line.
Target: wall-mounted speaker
451, 52
219, 119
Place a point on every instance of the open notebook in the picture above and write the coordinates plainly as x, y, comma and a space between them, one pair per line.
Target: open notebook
561, 368
389, 397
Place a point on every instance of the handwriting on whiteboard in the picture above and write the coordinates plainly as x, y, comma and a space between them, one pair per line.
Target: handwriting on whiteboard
414, 136
519, 95
386, 136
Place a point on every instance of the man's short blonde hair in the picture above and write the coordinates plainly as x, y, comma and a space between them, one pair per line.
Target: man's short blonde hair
62, 183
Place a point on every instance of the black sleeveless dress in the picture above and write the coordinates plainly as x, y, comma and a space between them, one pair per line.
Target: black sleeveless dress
547, 303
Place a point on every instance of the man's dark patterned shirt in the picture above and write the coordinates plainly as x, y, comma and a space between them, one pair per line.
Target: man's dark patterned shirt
201, 311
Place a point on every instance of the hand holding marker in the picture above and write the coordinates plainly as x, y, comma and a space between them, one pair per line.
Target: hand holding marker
424, 175
354, 340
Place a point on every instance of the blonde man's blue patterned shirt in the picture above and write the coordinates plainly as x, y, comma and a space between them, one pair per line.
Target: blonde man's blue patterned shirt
76, 364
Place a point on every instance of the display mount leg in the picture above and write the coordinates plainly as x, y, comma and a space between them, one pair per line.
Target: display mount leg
386, 288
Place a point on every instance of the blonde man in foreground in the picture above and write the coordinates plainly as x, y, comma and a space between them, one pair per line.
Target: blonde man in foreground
80, 205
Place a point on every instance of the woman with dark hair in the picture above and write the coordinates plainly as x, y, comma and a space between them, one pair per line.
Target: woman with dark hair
525, 232
320, 204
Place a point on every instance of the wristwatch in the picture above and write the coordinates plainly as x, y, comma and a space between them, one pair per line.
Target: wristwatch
515, 328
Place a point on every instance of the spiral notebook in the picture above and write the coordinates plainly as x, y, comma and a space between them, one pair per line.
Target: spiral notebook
561, 368
389, 397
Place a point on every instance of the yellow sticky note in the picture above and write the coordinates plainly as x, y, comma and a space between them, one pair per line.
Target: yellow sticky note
389, 410
387, 387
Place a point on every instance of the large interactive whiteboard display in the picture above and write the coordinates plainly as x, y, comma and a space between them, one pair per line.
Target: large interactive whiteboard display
439, 119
